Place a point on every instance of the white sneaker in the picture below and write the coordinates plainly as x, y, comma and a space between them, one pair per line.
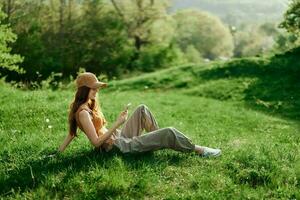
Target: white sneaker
210, 152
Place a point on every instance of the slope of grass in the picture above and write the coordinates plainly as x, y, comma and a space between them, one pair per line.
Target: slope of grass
269, 84
260, 151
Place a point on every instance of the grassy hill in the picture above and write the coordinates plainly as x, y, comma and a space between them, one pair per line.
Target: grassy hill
269, 84
233, 105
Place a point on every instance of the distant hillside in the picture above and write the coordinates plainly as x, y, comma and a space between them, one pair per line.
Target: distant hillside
236, 12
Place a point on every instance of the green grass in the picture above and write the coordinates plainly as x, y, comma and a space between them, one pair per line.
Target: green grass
250, 108
260, 151
268, 84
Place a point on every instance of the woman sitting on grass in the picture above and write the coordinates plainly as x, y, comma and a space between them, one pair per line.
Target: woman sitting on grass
86, 114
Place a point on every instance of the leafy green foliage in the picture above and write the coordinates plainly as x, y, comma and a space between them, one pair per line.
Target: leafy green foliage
292, 17
205, 32
69, 35
253, 40
119, 38
91, 37
143, 21
286, 41
8, 61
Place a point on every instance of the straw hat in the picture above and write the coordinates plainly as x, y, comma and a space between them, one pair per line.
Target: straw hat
90, 80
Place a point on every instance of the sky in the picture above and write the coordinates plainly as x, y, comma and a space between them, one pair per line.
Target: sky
238, 11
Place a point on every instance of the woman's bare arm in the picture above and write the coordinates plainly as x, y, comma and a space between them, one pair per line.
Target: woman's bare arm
90, 131
66, 142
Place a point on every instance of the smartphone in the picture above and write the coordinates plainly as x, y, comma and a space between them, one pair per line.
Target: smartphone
127, 106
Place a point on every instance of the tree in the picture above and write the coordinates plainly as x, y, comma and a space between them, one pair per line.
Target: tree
286, 41
143, 20
100, 42
252, 40
103, 36
248, 43
193, 55
32, 28
269, 29
205, 32
8, 61
292, 18
16, 9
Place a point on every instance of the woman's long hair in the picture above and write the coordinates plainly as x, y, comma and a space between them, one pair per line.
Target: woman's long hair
81, 97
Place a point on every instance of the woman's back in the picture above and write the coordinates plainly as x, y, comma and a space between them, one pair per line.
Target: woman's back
98, 123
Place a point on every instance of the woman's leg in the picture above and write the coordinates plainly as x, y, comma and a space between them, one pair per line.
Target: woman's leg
141, 119
134, 141
169, 138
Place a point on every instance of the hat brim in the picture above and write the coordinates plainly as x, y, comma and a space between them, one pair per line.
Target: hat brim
99, 85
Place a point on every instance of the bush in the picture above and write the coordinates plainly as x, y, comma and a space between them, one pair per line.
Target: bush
8, 61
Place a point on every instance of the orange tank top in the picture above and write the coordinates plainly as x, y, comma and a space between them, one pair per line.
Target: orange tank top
99, 124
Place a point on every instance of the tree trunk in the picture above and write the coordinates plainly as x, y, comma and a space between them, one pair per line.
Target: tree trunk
61, 30
70, 6
61, 19
8, 10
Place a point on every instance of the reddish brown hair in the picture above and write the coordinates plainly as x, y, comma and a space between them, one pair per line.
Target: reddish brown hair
81, 97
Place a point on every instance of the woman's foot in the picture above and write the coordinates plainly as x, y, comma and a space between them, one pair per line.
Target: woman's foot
207, 152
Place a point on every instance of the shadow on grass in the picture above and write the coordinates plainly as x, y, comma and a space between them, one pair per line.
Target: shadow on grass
276, 84
35, 172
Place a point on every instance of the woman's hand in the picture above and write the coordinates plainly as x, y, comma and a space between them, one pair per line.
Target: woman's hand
122, 117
